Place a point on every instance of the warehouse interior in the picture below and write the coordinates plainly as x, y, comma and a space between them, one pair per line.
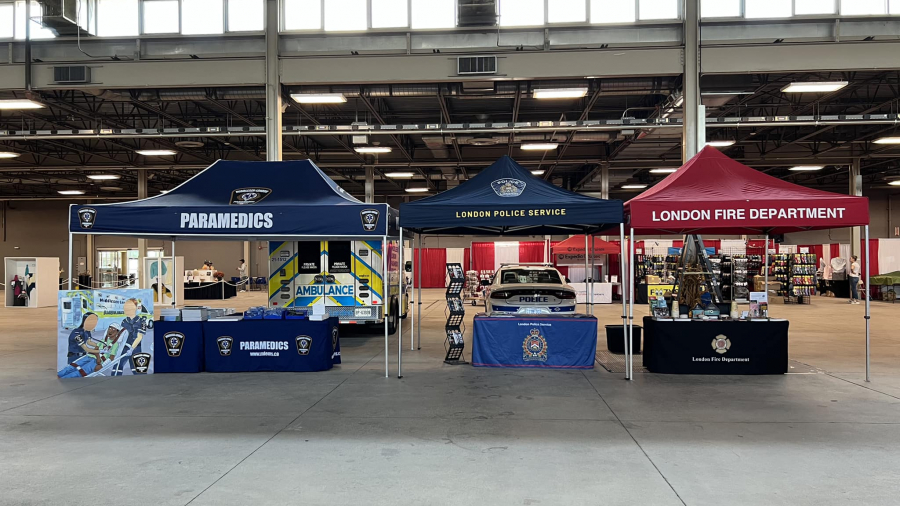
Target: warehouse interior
106, 101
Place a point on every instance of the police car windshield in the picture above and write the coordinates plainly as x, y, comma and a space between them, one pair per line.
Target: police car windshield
523, 276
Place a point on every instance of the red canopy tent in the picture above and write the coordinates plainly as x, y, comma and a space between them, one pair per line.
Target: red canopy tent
714, 193
576, 245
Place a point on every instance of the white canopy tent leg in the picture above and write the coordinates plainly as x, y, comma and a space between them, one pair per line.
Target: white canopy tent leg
412, 307
385, 289
766, 268
591, 288
159, 288
69, 272
586, 293
630, 349
174, 291
401, 273
622, 290
868, 317
419, 288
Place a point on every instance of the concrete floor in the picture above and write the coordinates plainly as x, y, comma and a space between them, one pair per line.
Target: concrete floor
457, 435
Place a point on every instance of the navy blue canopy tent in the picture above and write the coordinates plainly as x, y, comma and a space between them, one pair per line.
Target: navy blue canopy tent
243, 201
506, 199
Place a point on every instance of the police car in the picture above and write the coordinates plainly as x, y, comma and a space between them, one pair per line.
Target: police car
530, 289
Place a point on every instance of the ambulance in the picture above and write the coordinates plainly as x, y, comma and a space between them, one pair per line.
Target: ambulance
346, 275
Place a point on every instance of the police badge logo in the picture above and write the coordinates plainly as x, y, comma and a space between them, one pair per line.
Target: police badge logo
244, 196
140, 363
369, 219
225, 344
534, 347
304, 343
87, 216
508, 187
174, 343
721, 344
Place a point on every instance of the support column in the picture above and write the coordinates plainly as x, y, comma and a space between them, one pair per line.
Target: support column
604, 181
855, 189
89, 257
273, 84
370, 184
690, 144
142, 243
246, 258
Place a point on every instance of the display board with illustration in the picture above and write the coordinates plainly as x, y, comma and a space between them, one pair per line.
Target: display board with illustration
104, 333
164, 278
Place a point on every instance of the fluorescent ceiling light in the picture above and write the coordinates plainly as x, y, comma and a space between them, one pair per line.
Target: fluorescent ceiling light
896, 182
538, 172
662, 171
807, 167
633, 186
538, 146
679, 101
401, 175
9, 154
70, 192
20, 104
155, 152
163, 191
373, 149
560, 93
888, 140
814, 87
111, 188
319, 98
720, 144
417, 190
103, 177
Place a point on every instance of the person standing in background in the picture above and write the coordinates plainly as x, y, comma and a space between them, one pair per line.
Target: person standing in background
854, 280
242, 271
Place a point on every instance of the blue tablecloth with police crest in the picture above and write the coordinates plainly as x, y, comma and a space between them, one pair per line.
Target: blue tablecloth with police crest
534, 341
271, 345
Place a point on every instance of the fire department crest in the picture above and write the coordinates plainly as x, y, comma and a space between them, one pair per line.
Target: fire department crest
304, 343
174, 343
140, 363
721, 344
225, 344
369, 219
87, 216
508, 187
534, 347
244, 196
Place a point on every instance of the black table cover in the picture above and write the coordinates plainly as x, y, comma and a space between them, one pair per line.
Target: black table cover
716, 347
206, 291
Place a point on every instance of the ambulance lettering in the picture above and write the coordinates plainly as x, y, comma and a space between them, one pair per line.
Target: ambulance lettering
325, 290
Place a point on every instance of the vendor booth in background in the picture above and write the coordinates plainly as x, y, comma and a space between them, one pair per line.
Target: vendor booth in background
571, 252
506, 199
280, 202
712, 193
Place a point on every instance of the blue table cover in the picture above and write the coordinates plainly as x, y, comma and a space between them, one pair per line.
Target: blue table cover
537, 341
178, 345
271, 345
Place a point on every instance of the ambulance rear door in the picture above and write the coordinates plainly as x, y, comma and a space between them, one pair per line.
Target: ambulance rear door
367, 268
310, 285
340, 285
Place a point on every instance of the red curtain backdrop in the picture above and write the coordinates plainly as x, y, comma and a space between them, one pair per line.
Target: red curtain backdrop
677, 244
531, 251
434, 267
836, 251
467, 259
482, 256
712, 243
873, 256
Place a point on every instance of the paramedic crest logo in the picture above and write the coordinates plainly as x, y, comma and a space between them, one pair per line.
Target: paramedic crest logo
508, 187
140, 363
174, 343
304, 343
225, 344
87, 216
244, 196
369, 219
721, 344
534, 347
334, 338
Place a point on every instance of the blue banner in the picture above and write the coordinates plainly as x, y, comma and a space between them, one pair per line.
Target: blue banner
271, 345
534, 341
